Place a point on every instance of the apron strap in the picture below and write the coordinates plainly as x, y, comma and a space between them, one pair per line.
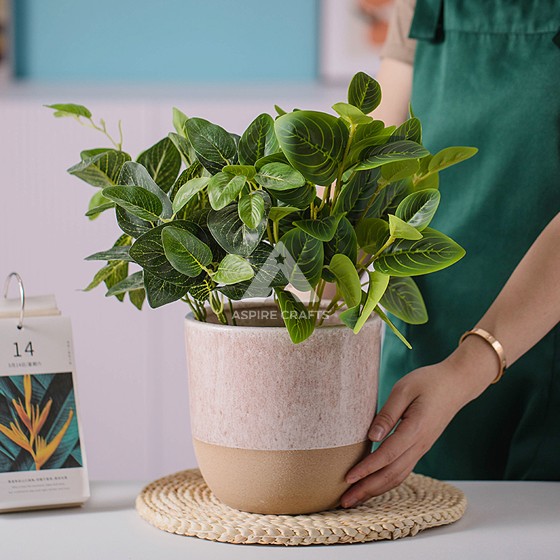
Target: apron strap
427, 23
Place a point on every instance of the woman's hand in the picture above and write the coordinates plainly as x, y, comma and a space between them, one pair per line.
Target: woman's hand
420, 405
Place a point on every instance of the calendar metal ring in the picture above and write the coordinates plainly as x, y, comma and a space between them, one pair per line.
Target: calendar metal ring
21, 294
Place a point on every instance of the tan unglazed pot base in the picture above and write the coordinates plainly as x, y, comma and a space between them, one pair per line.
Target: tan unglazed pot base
278, 482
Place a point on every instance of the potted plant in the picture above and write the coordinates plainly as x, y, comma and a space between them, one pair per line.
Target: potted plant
282, 389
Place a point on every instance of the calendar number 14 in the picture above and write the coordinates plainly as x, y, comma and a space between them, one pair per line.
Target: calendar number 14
28, 349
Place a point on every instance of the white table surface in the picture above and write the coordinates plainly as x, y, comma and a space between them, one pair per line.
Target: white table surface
509, 520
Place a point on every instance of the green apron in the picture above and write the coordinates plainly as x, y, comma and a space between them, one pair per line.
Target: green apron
487, 74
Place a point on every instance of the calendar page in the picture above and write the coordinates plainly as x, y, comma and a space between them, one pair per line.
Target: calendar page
42, 461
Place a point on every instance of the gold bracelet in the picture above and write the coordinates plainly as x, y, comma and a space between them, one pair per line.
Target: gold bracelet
499, 349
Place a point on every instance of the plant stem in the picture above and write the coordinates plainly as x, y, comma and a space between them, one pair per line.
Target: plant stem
338, 184
315, 305
269, 233
120, 136
387, 244
103, 130
275, 226
233, 319
333, 308
195, 308
324, 198
217, 306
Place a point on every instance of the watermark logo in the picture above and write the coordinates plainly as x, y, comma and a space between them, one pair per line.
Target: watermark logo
278, 269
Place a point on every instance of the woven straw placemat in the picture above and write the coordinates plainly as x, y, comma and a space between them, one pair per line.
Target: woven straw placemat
183, 504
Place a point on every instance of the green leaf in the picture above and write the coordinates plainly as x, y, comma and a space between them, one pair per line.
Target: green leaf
135, 174
258, 140
232, 234
344, 241
303, 259
214, 147
301, 197
160, 292
185, 251
137, 297
277, 157
70, 110
404, 300
185, 150
435, 251
98, 204
162, 161
251, 209
130, 224
350, 316
111, 273
101, 170
408, 130
377, 285
276, 213
133, 282
224, 188
347, 279
115, 253
390, 324
137, 201
357, 193
395, 151
450, 156
364, 92
388, 200
314, 144
96, 211
279, 110
279, 177
372, 234
92, 152
233, 269
296, 317
247, 171
401, 230
187, 191
398, 170
322, 228
202, 289
149, 253
430, 181
351, 114
418, 208
268, 274
192, 172
179, 120
366, 136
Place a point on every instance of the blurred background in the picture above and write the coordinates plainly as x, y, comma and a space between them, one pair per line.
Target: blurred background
134, 60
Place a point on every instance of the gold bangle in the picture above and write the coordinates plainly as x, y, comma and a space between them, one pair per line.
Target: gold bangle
499, 349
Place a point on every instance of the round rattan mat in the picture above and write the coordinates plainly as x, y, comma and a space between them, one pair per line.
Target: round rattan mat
183, 504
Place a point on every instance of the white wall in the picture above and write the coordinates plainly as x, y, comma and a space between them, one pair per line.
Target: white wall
131, 368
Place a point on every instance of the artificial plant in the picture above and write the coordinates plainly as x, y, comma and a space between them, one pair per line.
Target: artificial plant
296, 201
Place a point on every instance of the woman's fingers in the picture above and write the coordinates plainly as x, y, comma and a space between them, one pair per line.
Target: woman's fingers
404, 437
383, 480
386, 419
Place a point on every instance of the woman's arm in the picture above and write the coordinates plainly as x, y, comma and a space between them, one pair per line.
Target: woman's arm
395, 78
425, 400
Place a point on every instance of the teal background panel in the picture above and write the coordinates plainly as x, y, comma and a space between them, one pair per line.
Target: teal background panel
169, 40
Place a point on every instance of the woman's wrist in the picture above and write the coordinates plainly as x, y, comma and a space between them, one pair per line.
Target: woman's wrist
475, 364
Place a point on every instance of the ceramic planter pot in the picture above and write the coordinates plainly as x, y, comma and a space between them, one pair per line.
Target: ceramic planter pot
276, 426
